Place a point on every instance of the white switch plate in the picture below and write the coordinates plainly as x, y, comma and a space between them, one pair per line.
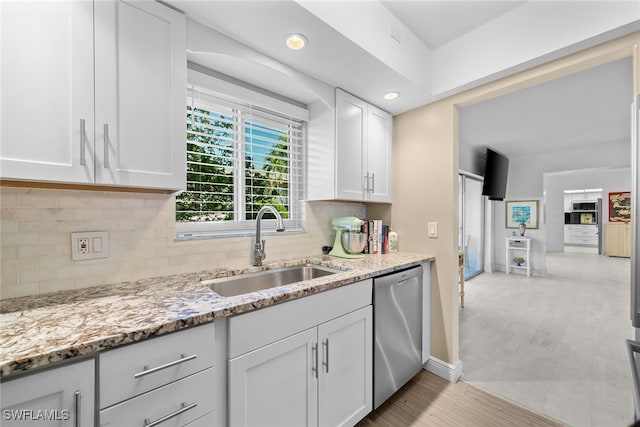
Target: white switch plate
89, 245
432, 228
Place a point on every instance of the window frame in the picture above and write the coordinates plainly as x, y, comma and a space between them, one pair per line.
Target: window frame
214, 91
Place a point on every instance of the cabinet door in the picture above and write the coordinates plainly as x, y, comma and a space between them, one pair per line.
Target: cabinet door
567, 234
56, 397
276, 385
345, 381
140, 49
379, 132
46, 81
351, 134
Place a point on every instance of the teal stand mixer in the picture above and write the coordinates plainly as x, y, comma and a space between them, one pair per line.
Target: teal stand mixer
349, 241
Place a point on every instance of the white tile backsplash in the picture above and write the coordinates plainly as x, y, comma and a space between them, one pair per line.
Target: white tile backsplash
35, 227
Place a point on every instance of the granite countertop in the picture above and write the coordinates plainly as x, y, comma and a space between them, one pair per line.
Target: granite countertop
44, 329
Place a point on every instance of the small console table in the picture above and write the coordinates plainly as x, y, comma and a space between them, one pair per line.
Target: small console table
518, 247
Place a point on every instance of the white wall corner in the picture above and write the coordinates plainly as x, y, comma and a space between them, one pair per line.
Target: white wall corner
449, 372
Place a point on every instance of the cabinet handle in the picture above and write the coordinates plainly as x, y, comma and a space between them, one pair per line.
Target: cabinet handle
325, 361
366, 183
147, 370
314, 359
83, 141
106, 145
184, 408
373, 183
76, 408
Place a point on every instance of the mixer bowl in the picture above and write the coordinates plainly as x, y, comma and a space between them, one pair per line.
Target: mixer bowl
353, 242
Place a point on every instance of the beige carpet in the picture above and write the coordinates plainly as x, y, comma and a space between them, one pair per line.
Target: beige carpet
554, 344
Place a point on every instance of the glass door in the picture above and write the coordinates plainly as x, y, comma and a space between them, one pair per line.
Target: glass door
471, 235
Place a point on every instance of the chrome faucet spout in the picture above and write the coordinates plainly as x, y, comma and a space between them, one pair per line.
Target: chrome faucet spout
258, 251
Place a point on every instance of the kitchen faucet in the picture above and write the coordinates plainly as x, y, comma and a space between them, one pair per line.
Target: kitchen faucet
258, 251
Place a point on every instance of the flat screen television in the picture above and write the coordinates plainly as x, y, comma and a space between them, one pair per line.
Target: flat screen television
495, 175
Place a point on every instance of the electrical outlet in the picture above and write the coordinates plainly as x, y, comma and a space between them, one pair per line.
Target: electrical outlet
89, 245
83, 245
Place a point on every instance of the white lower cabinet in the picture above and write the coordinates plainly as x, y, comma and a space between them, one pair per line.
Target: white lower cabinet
168, 380
318, 376
62, 397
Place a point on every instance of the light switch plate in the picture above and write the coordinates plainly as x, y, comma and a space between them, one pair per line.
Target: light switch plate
432, 228
89, 245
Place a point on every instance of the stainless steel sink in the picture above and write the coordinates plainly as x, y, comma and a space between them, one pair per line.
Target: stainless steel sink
252, 282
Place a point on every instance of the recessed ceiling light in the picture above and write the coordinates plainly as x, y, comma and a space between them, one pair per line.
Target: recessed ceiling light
390, 96
296, 41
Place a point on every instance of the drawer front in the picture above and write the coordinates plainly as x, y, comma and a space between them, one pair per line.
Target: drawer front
585, 232
178, 403
132, 370
585, 240
261, 327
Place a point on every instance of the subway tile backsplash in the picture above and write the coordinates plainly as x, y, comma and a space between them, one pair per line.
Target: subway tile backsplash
36, 244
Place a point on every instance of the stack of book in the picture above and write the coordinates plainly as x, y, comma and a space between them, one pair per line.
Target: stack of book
377, 236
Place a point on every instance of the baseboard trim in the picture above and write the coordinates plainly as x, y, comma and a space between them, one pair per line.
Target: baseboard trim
444, 370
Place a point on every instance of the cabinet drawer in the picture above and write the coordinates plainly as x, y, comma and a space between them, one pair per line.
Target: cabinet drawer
194, 392
584, 232
132, 370
261, 327
585, 240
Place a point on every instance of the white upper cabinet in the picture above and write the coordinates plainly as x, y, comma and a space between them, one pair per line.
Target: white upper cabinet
46, 81
363, 150
349, 154
119, 122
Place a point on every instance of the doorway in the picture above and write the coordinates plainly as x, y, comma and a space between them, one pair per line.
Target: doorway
471, 220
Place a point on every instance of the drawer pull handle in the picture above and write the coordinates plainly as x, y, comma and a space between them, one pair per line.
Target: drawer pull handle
325, 362
184, 408
147, 370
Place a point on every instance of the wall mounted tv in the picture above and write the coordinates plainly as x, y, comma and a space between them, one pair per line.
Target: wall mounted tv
495, 175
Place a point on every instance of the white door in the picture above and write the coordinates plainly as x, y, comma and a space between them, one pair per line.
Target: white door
351, 137
379, 137
276, 385
56, 397
140, 95
345, 380
46, 81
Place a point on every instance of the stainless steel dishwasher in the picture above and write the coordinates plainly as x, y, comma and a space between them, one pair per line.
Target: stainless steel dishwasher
397, 323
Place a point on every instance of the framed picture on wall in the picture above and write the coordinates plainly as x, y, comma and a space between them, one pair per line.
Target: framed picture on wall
620, 206
521, 211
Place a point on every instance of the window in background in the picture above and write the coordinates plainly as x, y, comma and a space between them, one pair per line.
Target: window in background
239, 158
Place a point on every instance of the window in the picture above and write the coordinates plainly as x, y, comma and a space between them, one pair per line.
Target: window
240, 157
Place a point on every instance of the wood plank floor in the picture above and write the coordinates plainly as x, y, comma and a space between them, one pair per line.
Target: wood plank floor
428, 400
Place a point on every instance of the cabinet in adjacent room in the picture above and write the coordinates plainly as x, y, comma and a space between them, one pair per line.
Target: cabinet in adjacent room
320, 375
618, 239
93, 93
63, 396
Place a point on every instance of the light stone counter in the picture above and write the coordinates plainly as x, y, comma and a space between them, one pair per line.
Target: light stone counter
39, 330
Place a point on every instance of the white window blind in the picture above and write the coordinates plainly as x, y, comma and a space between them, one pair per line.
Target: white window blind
239, 158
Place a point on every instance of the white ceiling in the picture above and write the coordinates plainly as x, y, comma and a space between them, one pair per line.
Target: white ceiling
536, 119
583, 109
437, 22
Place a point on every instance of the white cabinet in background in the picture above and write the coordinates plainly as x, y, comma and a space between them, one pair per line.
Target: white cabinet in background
567, 233
62, 396
349, 151
304, 362
93, 93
